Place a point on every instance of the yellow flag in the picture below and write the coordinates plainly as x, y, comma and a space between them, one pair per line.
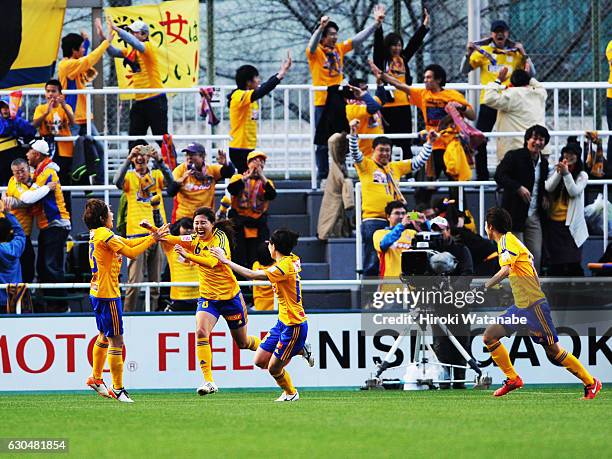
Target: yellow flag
30, 38
173, 31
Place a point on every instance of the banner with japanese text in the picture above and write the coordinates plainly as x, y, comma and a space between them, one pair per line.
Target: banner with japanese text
174, 32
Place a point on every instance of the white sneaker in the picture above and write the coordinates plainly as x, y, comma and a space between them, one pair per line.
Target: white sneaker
288, 398
208, 388
308, 355
121, 395
99, 386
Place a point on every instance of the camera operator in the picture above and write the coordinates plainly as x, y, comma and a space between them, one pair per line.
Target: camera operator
444, 348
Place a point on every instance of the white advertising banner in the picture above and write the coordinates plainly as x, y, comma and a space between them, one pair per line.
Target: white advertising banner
54, 353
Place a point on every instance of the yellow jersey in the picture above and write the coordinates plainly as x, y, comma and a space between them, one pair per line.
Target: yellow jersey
432, 107
609, 59
284, 276
397, 69
195, 193
326, 67
263, 295
105, 262
512, 60
391, 259
377, 187
148, 75
24, 215
52, 206
72, 75
523, 277
217, 280
368, 123
181, 270
243, 115
139, 191
56, 124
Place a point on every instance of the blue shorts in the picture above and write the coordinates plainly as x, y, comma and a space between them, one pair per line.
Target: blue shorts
109, 315
285, 341
234, 311
539, 322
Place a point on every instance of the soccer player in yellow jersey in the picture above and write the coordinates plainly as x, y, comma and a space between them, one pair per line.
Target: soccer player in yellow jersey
288, 337
106, 251
244, 109
219, 291
530, 305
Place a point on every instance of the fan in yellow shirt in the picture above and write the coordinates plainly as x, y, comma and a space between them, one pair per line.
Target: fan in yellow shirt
106, 251
263, 295
365, 108
288, 337
531, 308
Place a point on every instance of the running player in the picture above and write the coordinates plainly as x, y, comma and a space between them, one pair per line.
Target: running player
288, 337
219, 291
530, 303
106, 252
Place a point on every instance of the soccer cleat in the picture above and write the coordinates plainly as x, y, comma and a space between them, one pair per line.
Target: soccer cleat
208, 387
99, 386
288, 397
120, 395
308, 355
508, 386
591, 391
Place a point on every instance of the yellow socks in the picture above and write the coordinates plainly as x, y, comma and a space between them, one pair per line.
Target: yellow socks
204, 358
573, 365
284, 381
500, 356
115, 362
253, 342
99, 357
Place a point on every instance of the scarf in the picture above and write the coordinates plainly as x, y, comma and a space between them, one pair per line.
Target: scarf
41, 167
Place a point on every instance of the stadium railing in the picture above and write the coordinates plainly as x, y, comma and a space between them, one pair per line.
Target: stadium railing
481, 186
287, 133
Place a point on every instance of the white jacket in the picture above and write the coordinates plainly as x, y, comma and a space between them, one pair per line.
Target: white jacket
517, 110
575, 209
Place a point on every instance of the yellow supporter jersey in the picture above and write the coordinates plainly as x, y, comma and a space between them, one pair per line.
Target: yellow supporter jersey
285, 278
148, 75
397, 69
512, 60
52, 206
377, 184
368, 123
72, 75
263, 295
217, 281
523, 277
609, 59
195, 193
326, 67
181, 270
391, 259
432, 107
139, 191
105, 262
24, 215
56, 124
243, 115
250, 202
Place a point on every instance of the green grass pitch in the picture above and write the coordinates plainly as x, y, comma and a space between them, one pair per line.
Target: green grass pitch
542, 422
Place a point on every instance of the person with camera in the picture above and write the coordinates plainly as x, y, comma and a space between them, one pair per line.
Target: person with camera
460, 278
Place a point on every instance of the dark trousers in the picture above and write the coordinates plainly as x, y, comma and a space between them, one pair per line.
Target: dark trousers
149, 113
27, 262
487, 117
238, 157
371, 264
64, 175
399, 121
50, 264
423, 195
246, 248
6, 158
322, 151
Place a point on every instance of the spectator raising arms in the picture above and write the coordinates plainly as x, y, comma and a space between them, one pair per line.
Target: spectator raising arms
244, 110
391, 56
12, 244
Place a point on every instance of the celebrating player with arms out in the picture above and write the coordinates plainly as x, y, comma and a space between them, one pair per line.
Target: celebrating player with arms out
106, 252
517, 263
288, 337
219, 291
